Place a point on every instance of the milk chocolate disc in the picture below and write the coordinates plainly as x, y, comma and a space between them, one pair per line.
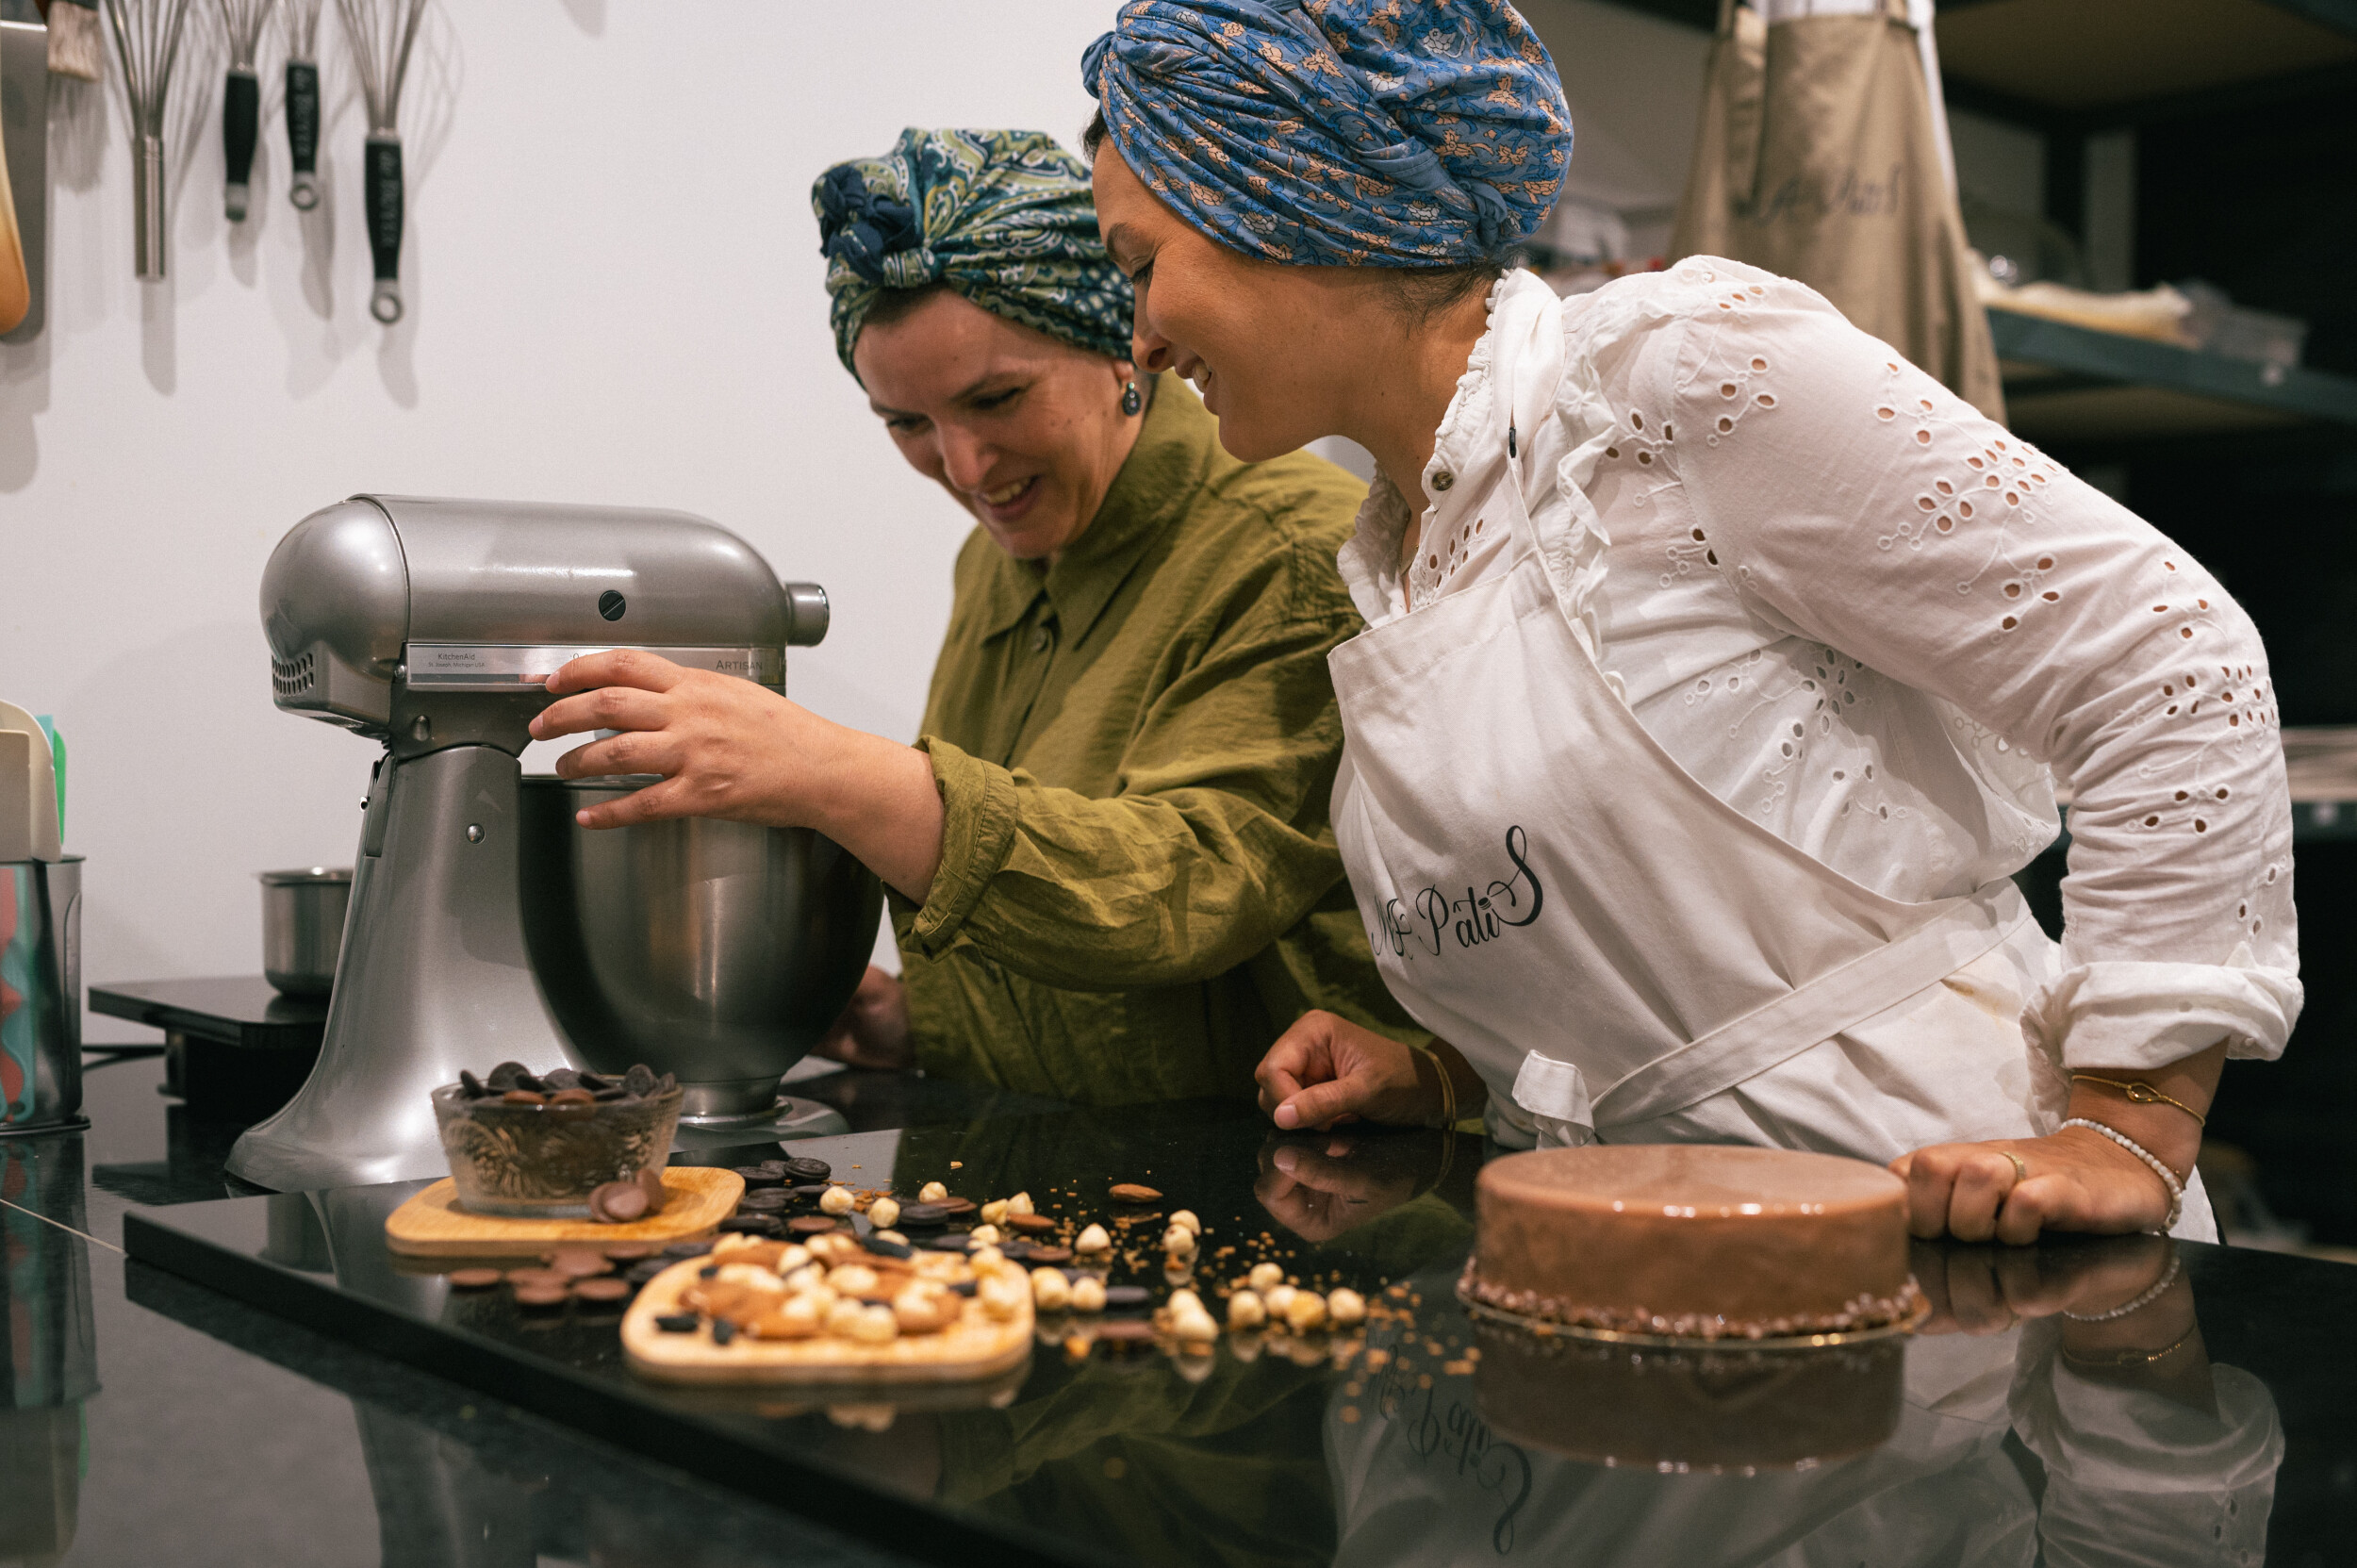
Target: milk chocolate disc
1034, 1223
474, 1278
578, 1262
542, 1295
813, 1224
603, 1290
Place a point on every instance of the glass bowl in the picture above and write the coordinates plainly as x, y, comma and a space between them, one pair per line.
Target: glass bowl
542, 1162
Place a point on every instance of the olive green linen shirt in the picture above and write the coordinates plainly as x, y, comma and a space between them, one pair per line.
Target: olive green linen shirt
1135, 747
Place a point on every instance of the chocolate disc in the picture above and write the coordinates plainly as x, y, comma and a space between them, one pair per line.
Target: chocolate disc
603, 1290
805, 1171
757, 1224
474, 1278
687, 1249
1127, 1296
526, 1277
759, 1176
629, 1252
764, 1201
1049, 1254
956, 1208
811, 1225
618, 1203
923, 1215
1034, 1223
578, 1262
1125, 1330
542, 1295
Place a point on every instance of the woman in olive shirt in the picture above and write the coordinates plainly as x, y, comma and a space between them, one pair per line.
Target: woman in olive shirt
1113, 876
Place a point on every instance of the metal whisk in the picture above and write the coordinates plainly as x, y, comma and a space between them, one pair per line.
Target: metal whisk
240, 99
147, 41
303, 100
382, 33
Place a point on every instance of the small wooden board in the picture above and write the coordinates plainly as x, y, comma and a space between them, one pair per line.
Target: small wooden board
432, 1225
975, 1347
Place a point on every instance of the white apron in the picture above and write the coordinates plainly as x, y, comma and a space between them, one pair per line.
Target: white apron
1546, 889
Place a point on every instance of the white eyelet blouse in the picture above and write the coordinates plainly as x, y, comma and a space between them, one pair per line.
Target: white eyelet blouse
1869, 618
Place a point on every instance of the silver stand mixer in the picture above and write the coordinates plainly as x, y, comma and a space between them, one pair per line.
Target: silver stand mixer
484, 924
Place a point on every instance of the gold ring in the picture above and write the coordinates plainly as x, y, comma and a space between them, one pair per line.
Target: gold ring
2021, 1171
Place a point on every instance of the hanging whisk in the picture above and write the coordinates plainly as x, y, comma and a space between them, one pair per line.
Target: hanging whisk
240, 99
382, 33
147, 41
303, 100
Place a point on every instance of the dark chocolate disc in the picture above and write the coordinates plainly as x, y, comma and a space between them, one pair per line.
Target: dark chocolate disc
804, 1170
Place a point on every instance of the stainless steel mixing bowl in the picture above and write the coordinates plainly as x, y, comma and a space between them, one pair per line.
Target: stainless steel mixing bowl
719, 951
303, 928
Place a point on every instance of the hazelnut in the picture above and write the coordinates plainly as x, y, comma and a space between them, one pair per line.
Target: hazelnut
1347, 1308
1246, 1310
852, 1280
1279, 1299
798, 1318
884, 1213
1186, 1217
983, 1235
931, 1192
1019, 1204
843, 1316
1184, 1301
1050, 1290
995, 1211
985, 1258
746, 1274
1195, 1328
1306, 1311
919, 1310
1245, 1346
836, 1201
876, 1326
809, 1276
1093, 1240
1264, 1277
792, 1258
1179, 1242
890, 1236
1088, 1294
1002, 1297
733, 1240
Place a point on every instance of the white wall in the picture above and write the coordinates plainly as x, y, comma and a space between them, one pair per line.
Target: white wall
615, 295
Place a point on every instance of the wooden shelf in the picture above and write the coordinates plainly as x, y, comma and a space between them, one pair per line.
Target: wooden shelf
2066, 383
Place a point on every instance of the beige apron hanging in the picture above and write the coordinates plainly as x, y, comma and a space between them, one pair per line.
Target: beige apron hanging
1820, 157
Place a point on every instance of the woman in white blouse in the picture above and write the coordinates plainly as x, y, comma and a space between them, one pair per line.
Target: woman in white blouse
1719, 667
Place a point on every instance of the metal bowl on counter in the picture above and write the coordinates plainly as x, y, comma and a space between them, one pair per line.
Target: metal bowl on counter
303, 928
719, 951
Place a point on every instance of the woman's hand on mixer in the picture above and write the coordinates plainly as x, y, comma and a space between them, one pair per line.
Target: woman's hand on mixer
874, 1029
729, 749
1326, 1071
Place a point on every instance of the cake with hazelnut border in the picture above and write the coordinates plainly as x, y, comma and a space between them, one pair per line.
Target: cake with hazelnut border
1691, 1242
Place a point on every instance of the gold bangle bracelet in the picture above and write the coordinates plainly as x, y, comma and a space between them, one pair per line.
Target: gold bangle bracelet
1448, 1091
2141, 1093
2134, 1357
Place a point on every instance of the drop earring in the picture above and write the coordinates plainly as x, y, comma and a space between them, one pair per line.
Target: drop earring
1131, 402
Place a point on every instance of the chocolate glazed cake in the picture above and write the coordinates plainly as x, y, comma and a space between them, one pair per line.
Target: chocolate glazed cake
1692, 1241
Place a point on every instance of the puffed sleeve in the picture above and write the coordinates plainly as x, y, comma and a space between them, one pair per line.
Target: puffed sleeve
1854, 501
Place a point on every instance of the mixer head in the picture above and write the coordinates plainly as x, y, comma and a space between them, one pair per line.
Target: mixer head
431, 623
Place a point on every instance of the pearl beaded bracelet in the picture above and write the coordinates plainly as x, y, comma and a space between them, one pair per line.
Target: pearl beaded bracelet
2168, 1178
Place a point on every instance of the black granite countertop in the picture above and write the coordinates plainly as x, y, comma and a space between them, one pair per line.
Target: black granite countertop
158, 1421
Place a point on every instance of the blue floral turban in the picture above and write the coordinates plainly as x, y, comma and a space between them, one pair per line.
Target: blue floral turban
1343, 133
1003, 216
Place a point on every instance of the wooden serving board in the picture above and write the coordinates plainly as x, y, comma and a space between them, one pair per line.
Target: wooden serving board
973, 1347
432, 1225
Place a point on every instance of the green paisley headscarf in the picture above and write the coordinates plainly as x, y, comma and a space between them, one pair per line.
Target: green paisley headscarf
1005, 218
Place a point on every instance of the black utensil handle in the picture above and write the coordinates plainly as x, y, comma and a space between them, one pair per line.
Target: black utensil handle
302, 115
240, 124
383, 205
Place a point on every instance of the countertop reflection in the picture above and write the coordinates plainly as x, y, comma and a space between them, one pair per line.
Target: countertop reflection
2130, 1401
